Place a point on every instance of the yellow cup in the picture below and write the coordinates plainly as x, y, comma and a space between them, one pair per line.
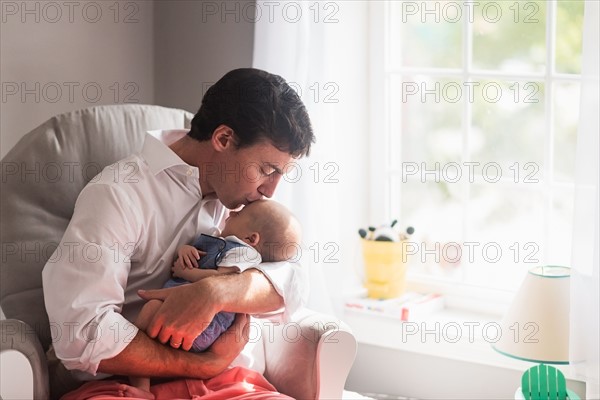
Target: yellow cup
385, 268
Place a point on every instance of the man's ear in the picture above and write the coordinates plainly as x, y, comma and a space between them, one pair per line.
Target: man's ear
252, 239
223, 138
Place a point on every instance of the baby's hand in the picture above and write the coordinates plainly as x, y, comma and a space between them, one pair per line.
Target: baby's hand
179, 270
188, 257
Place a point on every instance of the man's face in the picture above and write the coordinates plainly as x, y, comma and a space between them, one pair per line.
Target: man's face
247, 174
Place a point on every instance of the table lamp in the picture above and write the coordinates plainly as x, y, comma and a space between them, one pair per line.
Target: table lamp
536, 329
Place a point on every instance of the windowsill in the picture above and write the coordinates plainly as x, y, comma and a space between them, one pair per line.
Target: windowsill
481, 301
452, 333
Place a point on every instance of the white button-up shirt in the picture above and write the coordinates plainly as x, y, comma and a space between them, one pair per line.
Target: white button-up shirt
127, 225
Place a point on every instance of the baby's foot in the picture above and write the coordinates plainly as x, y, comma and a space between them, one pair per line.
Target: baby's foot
132, 391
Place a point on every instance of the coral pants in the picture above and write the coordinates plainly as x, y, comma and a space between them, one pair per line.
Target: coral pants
235, 383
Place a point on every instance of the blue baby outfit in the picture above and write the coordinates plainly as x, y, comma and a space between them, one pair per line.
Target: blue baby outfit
215, 249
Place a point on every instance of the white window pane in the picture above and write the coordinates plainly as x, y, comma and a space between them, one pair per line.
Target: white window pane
435, 210
566, 116
427, 115
560, 227
506, 233
508, 125
510, 36
569, 20
426, 34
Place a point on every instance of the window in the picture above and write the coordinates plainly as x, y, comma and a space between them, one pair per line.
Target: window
474, 119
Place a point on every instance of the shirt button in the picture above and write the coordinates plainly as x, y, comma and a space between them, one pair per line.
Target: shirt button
189, 172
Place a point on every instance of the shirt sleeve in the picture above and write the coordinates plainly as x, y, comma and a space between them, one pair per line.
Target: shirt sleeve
290, 282
288, 279
85, 279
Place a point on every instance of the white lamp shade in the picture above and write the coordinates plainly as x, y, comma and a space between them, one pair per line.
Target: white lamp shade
536, 326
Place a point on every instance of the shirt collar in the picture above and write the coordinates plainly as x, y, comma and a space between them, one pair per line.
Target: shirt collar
158, 155
236, 239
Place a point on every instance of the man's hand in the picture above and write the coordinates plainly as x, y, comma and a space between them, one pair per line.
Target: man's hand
183, 315
188, 309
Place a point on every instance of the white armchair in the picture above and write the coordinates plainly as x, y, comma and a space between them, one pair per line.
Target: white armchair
41, 179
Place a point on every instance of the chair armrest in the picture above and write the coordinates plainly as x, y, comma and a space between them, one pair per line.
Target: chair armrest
18, 336
309, 358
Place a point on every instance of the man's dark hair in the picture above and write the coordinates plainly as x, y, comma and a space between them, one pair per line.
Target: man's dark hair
258, 106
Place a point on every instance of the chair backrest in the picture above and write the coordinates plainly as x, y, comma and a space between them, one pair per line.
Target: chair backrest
543, 382
41, 178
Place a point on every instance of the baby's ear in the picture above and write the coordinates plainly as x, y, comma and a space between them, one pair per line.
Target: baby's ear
253, 239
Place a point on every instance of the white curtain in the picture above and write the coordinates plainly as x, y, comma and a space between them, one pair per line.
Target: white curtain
585, 301
319, 48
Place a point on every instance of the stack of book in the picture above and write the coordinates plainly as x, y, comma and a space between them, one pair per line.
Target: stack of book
408, 307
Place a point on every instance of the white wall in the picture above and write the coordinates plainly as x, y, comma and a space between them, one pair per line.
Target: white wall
57, 57
154, 52
196, 42
62, 56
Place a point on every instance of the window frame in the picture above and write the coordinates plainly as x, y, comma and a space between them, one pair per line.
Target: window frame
458, 294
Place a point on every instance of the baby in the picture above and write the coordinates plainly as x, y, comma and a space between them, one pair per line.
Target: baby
262, 231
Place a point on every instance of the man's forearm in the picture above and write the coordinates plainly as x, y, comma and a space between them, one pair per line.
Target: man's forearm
147, 357
249, 292
195, 274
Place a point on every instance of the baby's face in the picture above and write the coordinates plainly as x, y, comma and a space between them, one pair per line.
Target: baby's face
249, 219
262, 221
239, 223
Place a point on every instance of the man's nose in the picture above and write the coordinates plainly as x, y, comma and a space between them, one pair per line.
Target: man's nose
268, 187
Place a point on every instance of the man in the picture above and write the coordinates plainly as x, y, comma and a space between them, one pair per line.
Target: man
127, 224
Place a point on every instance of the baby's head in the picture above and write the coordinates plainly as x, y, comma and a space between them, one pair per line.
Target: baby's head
267, 226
